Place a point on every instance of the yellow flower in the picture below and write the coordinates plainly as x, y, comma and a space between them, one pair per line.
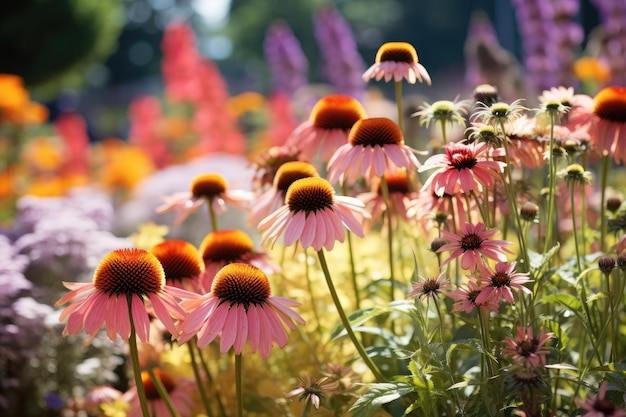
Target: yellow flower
149, 235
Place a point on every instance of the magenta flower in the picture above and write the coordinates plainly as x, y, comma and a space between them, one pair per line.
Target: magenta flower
527, 349
314, 216
124, 276
472, 244
466, 299
500, 281
375, 146
600, 406
240, 309
463, 167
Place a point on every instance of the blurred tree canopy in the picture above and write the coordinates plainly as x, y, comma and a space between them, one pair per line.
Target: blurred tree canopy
50, 43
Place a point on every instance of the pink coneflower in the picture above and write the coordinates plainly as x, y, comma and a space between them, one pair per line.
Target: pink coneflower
472, 243
240, 309
313, 391
314, 216
211, 188
397, 61
327, 129
124, 277
527, 142
274, 197
430, 208
180, 391
500, 281
401, 196
430, 287
466, 299
526, 349
609, 122
375, 146
181, 262
599, 405
224, 247
266, 164
463, 167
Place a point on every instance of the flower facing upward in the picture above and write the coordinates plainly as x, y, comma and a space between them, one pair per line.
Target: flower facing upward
499, 113
179, 390
329, 122
240, 309
212, 188
397, 61
223, 247
609, 122
527, 349
123, 276
274, 197
375, 145
313, 390
314, 216
463, 167
443, 111
181, 262
600, 406
472, 244
500, 281
430, 287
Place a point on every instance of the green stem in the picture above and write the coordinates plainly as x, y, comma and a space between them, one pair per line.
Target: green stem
603, 183
212, 214
199, 382
158, 384
238, 384
392, 279
444, 136
346, 322
355, 284
399, 105
134, 358
484, 332
551, 193
310, 288
576, 245
207, 372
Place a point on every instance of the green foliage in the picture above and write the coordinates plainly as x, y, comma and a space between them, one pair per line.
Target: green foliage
45, 41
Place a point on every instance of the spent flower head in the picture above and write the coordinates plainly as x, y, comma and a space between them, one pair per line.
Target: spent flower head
499, 113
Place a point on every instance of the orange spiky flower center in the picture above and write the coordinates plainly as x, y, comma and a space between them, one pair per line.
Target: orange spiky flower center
309, 195
225, 246
150, 386
129, 271
180, 259
208, 185
292, 171
336, 111
397, 52
610, 104
375, 131
240, 283
397, 182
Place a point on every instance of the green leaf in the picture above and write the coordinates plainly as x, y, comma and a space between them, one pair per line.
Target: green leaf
379, 395
361, 316
539, 260
567, 300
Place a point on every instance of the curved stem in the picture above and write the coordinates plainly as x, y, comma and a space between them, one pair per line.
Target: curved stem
575, 231
158, 384
134, 358
345, 321
199, 382
238, 384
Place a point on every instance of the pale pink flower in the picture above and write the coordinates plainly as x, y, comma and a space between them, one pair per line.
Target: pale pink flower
124, 276
472, 243
463, 167
527, 349
210, 188
240, 309
181, 392
273, 198
599, 405
327, 128
396, 61
499, 282
375, 146
314, 216
430, 287
223, 247
466, 299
